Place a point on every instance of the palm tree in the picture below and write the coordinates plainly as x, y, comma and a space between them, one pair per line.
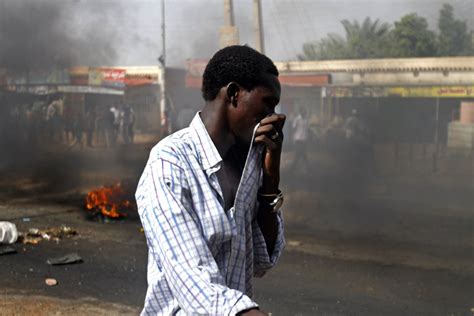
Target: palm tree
366, 40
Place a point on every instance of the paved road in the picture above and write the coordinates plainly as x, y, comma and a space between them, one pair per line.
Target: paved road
304, 283
395, 254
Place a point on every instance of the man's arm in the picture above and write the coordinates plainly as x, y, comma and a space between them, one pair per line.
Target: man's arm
268, 221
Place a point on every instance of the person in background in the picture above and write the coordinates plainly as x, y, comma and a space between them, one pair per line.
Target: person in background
68, 121
359, 147
51, 112
78, 130
300, 138
109, 128
90, 121
128, 122
116, 112
354, 128
37, 121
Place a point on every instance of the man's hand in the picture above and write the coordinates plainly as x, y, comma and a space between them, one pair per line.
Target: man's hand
270, 134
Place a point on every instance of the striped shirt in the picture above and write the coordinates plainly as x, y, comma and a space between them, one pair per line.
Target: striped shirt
201, 259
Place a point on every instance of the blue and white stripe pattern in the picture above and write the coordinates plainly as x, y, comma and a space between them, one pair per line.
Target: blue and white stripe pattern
201, 258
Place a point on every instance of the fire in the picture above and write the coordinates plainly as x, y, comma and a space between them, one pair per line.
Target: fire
108, 201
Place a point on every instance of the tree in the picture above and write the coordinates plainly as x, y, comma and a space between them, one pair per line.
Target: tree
453, 38
412, 38
366, 40
331, 47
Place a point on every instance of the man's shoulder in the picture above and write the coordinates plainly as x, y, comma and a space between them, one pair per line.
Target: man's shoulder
175, 148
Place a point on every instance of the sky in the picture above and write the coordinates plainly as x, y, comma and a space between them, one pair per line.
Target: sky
129, 31
192, 25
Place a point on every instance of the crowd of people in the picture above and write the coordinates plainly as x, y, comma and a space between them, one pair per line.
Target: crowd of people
54, 122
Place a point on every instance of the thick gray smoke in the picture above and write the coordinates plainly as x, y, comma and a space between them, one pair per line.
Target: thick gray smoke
48, 33
38, 35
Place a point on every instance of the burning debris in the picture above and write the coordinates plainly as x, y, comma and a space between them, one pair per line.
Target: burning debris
35, 235
109, 202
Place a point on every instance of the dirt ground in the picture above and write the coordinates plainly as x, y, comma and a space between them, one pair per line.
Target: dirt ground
399, 242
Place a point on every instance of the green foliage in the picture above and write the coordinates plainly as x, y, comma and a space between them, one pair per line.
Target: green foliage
366, 40
453, 38
411, 38
331, 47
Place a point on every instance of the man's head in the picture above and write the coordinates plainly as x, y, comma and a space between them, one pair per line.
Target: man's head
247, 82
240, 64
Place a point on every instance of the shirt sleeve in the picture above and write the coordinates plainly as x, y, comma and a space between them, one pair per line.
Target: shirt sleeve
262, 260
175, 240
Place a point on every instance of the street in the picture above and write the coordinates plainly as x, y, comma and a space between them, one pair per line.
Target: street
379, 255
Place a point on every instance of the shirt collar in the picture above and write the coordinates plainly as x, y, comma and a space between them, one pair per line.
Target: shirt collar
207, 151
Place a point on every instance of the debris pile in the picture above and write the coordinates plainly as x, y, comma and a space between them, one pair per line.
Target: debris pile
35, 235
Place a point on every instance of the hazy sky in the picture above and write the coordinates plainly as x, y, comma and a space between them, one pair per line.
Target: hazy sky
133, 27
192, 25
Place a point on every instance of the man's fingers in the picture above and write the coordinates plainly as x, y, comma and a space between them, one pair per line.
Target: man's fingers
272, 126
263, 139
275, 119
270, 131
265, 129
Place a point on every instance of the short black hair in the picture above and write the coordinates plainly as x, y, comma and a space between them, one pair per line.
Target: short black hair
238, 63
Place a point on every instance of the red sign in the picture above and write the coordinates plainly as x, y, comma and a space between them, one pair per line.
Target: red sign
109, 77
113, 75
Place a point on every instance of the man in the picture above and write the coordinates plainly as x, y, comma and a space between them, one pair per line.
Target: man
354, 127
128, 120
208, 197
51, 112
90, 123
116, 112
358, 146
300, 138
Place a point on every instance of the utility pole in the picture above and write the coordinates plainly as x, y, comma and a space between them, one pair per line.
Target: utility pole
228, 34
258, 26
164, 119
228, 13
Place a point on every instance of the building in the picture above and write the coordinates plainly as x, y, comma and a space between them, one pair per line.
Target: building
404, 99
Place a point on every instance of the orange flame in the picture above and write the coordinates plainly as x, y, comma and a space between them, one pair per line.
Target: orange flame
108, 200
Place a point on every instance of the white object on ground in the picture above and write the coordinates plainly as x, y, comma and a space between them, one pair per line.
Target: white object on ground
8, 233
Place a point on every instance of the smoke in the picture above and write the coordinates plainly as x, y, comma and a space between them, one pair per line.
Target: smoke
47, 33
42, 35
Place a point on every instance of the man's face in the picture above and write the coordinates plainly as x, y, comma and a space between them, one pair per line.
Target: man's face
252, 106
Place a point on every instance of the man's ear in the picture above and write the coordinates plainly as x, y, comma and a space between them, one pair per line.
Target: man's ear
233, 92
